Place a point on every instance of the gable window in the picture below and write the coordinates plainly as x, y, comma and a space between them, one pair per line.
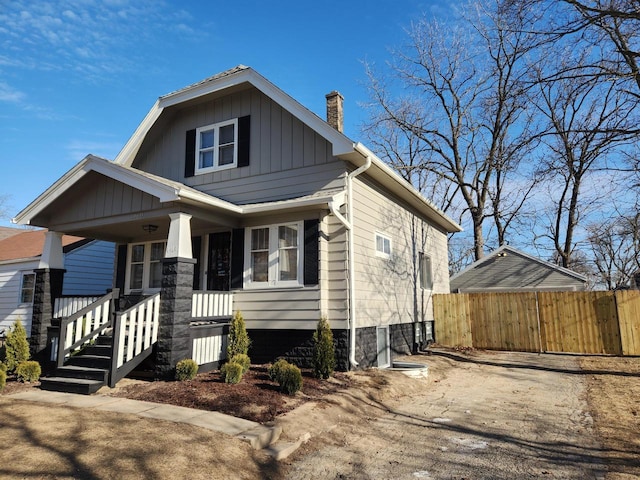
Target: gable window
27, 287
145, 266
426, 278
217, 146
274, 255
383, 246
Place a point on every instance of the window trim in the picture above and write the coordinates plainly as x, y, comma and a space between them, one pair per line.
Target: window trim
423, 285
21, 291
216, 147
146, 267
379, 253
273, 271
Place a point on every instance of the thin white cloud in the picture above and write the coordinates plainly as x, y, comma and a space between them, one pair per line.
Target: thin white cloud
78, 149
10, 94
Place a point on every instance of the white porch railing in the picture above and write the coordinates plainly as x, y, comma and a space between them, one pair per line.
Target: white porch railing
136, 330
67, 306
82, 326
212, 304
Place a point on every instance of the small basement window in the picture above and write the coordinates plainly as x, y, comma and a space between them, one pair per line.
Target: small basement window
383, 245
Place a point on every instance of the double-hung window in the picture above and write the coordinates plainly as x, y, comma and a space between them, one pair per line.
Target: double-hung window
145, 266
27, 288
217, 146
383, 245
274, 255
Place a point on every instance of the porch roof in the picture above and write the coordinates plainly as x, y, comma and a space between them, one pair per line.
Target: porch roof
165, 190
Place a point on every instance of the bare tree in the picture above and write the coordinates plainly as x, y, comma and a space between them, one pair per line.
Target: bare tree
616, 249
463, 110
587, 123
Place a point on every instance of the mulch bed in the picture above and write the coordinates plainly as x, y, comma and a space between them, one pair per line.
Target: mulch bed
255, 398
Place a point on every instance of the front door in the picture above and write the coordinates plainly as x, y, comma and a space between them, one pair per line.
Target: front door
219, 268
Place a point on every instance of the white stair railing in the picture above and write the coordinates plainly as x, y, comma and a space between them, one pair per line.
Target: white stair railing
82, 326
135, 332
67, 306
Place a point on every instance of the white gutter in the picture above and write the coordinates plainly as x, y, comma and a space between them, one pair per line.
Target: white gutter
348, 223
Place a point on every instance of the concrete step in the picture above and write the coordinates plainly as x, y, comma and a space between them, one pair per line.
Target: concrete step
71, 385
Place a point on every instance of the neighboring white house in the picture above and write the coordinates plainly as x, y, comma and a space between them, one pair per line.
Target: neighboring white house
88, 263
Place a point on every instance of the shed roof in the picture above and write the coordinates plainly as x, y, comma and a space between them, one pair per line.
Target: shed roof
509, 269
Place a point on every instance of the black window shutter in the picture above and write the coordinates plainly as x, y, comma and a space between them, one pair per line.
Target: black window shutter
190, 154
196, 245
311, 246
121, 266
244, 134
237, 258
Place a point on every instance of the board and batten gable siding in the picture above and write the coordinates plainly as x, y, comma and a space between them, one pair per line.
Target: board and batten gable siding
287, 159
89, 269
388, 290
97, 196
10, 285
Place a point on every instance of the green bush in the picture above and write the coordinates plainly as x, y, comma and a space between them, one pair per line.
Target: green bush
3, 368
17, 347
186, 369
324, 356
239, 341
243, 360
290, 379
3, 379
274, 370
28, 371
231, 372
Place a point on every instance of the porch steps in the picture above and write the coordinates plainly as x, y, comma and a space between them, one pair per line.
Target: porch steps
85, 372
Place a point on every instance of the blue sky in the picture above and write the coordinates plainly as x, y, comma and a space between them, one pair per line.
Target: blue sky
78, 76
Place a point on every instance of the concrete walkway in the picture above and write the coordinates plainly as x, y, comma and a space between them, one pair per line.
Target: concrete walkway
258, 435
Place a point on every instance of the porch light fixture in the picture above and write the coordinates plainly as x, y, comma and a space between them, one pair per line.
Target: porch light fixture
149, 228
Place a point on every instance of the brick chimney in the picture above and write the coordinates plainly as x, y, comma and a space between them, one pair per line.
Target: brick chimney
335, 110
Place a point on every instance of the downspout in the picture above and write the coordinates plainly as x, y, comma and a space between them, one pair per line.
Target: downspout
348, 223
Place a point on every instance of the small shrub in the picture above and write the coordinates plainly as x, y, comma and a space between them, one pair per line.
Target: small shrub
3, 368
231, 372
243, 360
3, 379
28, 371
186, 369
290, 379
17, 347
324, 356
274, 370
239, 341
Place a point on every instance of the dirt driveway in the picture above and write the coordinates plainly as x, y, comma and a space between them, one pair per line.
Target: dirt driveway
478, 415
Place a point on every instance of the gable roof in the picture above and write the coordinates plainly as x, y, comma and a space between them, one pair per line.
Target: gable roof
509, 269
166, 190
29, 244
6, 232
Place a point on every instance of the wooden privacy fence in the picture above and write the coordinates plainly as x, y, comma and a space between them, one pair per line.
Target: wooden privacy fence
571, 322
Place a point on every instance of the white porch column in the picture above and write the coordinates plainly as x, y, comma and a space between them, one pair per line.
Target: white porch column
179, 241
52, 255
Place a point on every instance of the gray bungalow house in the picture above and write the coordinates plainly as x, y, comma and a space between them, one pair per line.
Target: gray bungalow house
232, 196
507, 269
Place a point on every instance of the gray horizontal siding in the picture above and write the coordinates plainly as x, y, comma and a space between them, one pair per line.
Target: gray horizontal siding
89, 269
272, 308
287, 158
387, 290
